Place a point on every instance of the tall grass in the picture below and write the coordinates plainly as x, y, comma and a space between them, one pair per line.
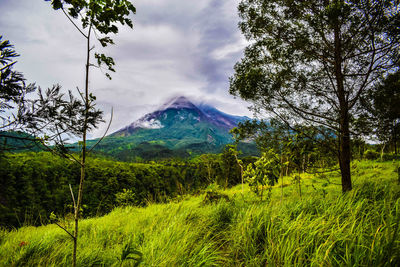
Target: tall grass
323, 228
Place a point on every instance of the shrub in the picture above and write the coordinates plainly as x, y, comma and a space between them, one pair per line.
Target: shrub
264, 172
126, 198
390, 156
213, 195
371, 154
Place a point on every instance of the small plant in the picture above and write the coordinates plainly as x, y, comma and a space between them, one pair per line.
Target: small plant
126, 198
129, 253
264, 172
297, 180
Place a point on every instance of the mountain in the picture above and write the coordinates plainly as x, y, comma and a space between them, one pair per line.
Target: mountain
182, 112
179, 128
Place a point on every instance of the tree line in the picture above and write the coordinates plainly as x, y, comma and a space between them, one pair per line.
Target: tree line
35, 184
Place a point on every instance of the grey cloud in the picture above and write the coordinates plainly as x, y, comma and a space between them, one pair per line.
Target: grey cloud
176, 47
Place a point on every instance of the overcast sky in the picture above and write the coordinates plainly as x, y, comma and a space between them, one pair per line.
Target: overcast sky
177, 47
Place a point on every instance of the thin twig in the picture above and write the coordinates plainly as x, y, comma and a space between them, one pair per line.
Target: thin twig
80, 93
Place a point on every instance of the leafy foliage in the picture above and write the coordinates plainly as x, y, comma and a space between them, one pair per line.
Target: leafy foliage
13, 87
382, 105
128, 253
310, 61
103, 16
230, 167
371, 154
125, 198
264, 172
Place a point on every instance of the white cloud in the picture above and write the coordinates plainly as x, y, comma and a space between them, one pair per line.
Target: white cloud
229, 49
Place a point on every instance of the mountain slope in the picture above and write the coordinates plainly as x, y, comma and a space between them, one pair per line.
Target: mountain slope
179, 113
178, 128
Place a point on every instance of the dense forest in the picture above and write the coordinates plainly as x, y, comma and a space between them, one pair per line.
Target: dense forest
36, 184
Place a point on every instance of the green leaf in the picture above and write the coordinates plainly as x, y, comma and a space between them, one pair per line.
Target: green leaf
56, 4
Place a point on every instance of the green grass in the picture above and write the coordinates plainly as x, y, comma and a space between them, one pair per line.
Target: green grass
321, 228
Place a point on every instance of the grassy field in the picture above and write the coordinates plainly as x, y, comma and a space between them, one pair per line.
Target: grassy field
323, 227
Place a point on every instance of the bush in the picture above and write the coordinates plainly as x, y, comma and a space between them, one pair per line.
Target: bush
126, 198
213, 195
371, 154
390, 156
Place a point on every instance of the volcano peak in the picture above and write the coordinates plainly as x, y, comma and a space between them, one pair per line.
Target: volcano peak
178, 103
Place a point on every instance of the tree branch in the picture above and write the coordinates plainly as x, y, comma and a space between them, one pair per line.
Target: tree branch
56, 223
108, 127
73, 197
73, 23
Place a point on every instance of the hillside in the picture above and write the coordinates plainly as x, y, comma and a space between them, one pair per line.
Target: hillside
18, 141
321, 228
179, 128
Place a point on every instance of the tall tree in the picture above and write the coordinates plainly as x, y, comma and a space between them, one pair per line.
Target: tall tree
383, 110
98, 19
310, 61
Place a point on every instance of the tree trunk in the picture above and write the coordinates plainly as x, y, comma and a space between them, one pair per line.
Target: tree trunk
395, 137
281, 175
83, 153
382, 150
344, 124
241, 171
345, 155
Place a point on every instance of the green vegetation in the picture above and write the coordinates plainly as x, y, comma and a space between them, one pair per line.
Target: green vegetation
310, 63
13, 88
325, 228
36, 184
93, 20
321, 70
